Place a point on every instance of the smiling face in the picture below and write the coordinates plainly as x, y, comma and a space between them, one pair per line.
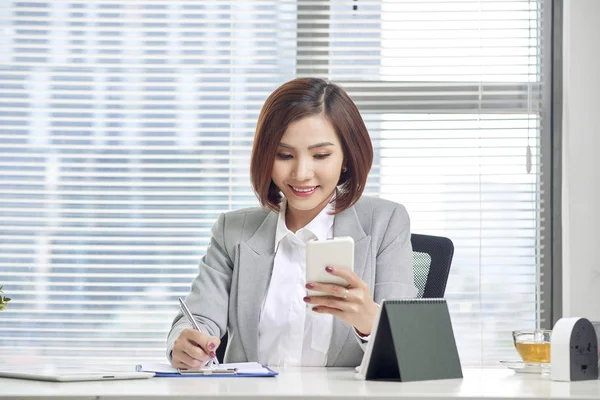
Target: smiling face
307, 166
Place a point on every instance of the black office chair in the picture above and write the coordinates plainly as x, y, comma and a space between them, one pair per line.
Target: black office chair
432, 256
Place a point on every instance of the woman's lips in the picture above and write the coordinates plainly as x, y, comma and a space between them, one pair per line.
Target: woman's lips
303, 191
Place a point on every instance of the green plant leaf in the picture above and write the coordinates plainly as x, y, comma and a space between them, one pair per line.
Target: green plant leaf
3, 300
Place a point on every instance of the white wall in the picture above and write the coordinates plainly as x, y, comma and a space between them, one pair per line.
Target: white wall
581, 159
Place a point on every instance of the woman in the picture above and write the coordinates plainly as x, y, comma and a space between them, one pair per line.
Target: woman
311, 157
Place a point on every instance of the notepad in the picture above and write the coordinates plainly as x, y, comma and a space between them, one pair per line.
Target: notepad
412, 340
245, 369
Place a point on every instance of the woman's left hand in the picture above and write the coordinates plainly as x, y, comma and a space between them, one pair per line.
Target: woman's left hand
353, 305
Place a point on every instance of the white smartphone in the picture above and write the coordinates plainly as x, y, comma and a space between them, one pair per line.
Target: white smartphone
337, 252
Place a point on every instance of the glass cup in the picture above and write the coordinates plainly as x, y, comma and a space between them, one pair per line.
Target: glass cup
533, 345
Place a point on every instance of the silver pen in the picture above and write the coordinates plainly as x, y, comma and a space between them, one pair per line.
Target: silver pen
188, 314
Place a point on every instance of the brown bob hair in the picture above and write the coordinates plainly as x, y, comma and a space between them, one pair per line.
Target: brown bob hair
297, 99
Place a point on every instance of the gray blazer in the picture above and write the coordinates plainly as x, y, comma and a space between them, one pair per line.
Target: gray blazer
233, 278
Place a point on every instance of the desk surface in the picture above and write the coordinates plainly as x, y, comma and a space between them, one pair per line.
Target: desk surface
311, 383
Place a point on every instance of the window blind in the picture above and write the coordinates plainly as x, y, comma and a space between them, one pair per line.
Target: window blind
126, 128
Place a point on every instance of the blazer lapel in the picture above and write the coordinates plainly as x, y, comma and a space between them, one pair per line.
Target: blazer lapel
255, 265
348, 224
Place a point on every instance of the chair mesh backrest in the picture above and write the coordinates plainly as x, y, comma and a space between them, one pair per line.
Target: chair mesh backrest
432, 257
421, 265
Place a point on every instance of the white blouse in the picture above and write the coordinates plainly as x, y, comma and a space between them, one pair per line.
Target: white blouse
287, 334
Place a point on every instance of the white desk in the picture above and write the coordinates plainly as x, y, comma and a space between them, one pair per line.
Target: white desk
310, 383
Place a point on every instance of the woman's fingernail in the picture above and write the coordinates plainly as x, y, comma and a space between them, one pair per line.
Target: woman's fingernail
328, 269
316, 309
212, 354
306, 299
310, 286
211, 346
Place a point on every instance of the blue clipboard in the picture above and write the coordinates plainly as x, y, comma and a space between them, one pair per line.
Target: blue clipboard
170, 372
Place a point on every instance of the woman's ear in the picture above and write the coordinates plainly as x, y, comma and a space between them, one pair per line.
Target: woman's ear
343, 176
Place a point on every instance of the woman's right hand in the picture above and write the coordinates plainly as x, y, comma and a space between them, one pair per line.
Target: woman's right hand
193, 349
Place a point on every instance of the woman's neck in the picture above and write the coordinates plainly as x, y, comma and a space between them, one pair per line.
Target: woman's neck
298, 219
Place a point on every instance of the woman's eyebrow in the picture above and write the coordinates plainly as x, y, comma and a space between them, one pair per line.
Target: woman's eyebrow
312, 146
